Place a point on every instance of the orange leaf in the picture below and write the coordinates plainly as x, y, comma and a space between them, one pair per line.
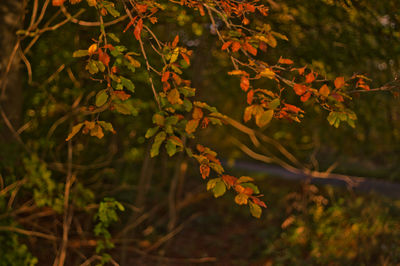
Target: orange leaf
250, 49
241, 199
236, 46
175, 42
338, 97
92, 49
226, 45
197, 113
58, 2
299, 89
244, 83
165, 76
130, 24
324, 90
250, 96
310, 77
174, 97
191, 126
122, 95
305, 97
339, 82
186, 58
138, 29
285, 61
204, 170
229, 180
104, 57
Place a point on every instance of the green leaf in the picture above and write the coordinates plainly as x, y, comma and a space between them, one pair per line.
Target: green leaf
219, 189
170, 147
110, 8
113, 37
80, 53
106, 125
101, 98
128, 84
265, 118
125, 108
212, 182
92, 67
100, 66
151, 131
158, 140
158, 119
274, 103
252, 186
255, 210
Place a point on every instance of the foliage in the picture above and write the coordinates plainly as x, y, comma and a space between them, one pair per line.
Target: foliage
117, 88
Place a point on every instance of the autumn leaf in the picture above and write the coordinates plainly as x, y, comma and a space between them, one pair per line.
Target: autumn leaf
255, 210
191, 126
299, 89
236, 46
241, 199
244, 83
305, 96
204, 170
92, 49
285, 61
339, 82
58, 2
175, 42
219, 189
101, 97
229, 180
197, 113
74, 131
165, 76
310, 77
268, 73
264, 118
158, 140
138, 29
174, 97
324, 90
226, 45
97, 131
248, 113
250, 96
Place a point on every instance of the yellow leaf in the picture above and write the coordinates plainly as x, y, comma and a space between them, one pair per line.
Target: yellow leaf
92, 49
74, 131
241, 199
268, 73
97, 131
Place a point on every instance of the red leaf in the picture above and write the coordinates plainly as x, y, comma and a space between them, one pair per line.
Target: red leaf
122, 95
104, 57
338, 97
250, 49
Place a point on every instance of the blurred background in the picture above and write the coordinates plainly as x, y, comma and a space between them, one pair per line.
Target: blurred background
305, 223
